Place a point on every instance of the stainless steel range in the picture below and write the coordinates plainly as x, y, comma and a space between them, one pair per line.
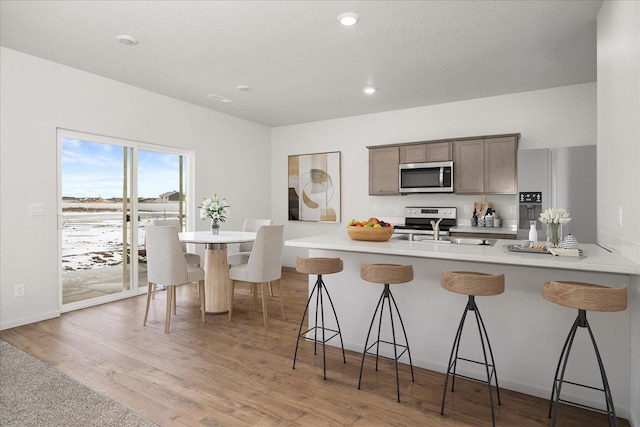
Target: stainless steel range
417, 222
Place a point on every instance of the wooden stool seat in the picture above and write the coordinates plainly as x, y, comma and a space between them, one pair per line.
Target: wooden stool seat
386, 273
472, 283
319, 332
318, 265
583, 297
586, 296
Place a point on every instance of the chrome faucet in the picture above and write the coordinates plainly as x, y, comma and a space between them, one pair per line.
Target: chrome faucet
436, 229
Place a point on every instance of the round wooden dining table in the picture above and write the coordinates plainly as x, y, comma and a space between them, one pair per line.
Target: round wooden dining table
216, 268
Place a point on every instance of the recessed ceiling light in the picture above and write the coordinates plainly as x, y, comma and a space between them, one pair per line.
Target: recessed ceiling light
369, 90
217, 97
243, 88
127, 39
348, 18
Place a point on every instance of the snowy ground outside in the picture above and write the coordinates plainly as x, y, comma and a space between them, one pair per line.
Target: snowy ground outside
92, 253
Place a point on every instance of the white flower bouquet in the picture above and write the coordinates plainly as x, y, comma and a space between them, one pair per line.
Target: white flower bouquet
214, 207
554, 218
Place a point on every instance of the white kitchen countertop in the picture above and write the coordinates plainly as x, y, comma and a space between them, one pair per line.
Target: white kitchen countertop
595, 258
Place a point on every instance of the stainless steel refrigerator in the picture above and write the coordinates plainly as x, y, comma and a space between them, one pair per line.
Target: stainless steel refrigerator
566, 177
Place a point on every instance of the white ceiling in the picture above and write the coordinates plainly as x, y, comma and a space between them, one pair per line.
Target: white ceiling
301, 64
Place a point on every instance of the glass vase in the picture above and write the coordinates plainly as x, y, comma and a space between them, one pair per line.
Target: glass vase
215, 227
554, 235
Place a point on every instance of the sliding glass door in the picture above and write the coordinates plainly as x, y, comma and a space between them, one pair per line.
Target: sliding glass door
161, 195
110, 189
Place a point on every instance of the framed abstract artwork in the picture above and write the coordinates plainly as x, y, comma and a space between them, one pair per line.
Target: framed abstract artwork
314, 187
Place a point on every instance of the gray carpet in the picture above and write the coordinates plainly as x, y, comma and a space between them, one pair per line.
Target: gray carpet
33, 393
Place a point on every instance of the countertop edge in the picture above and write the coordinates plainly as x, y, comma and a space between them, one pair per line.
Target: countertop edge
596, 259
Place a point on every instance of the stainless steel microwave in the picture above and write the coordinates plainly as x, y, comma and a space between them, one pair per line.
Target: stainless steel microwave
431, 177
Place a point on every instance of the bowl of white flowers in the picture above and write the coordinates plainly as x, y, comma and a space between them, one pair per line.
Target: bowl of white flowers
554, 218
217, 209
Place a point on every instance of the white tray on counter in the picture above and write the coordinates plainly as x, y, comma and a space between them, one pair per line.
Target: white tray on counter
530, 250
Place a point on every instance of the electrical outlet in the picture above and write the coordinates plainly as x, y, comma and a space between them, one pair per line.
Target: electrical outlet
18, 290
512, 209
466, 209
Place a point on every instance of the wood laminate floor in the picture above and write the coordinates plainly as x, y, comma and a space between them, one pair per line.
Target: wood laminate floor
237, 373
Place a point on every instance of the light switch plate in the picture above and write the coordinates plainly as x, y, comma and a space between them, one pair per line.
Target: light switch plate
36, 209
619, 216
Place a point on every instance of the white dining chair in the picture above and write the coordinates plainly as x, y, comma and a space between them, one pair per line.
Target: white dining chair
263, 266
244, 250
193, 259
166, 265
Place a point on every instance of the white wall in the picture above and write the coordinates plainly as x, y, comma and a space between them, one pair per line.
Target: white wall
619, 127
619, 153
558, 117
39, 96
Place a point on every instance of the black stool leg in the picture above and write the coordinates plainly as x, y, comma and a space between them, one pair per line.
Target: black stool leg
581, 321
388, 297
304, 315
324, 353
393, 332
406, 340
344, 359
557, 382
384, 298
611, 410
319, 289
366, 343
481, 330
453, 358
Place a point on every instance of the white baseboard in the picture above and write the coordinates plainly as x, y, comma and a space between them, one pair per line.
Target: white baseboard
27, 320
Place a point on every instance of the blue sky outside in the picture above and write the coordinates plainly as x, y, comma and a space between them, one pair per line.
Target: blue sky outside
91, 169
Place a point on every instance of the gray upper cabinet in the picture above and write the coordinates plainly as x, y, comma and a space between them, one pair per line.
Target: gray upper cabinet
482, 165
427, 152
413, 153
468, 166
439, 152
501, 172
485, 165
383, 171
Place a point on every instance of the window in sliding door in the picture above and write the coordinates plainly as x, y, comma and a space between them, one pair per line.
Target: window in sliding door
161, 194
110, 189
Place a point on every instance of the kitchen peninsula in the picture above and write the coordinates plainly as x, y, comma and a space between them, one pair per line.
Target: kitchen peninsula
526, 331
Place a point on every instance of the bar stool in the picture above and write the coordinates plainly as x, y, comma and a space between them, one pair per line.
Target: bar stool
472, 284
387, 274
584, 297
319, 266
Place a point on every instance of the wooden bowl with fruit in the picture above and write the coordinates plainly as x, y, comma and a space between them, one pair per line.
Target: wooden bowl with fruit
372, 230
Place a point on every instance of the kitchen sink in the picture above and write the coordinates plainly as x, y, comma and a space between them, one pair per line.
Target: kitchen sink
448, 240
468, 241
